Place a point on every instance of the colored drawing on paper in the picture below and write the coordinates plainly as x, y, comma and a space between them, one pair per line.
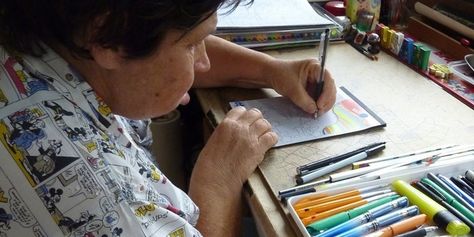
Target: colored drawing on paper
294, 125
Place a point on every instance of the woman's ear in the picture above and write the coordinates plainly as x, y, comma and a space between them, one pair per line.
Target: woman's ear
106, 58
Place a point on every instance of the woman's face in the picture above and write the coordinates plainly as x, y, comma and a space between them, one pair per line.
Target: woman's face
157, 84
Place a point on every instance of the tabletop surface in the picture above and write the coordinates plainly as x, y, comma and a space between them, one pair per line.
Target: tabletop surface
418, 114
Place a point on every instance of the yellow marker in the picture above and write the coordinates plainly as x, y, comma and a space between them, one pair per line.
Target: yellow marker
442, 217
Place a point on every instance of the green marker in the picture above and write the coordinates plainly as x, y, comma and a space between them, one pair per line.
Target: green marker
442, 217
449, 199
424, 58
342, 217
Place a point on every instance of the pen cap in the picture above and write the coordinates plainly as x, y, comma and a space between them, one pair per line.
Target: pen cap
470, 175
451, 223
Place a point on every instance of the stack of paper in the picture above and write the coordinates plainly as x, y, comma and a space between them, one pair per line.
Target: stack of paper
274, 22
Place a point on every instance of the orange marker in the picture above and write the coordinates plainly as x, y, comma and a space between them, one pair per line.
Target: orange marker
311, 201
299, 203
319, 216
322, 207
401, 227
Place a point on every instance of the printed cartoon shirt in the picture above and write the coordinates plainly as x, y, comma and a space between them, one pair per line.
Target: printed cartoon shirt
69, 167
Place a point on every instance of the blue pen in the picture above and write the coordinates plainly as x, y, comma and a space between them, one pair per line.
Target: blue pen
456, 189
446, 188
381, 222
366, 217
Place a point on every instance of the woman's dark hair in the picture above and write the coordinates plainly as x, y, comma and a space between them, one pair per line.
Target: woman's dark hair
136, 26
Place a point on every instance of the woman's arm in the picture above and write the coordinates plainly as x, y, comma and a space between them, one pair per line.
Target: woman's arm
234, 65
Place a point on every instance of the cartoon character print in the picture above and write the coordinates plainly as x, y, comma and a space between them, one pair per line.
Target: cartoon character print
28, 127
71, 224
48, 161
116, 232
25, 84
25, 134
3, 99
5, 219
77, 201
16, 217
102, 112
51, 198
74, 134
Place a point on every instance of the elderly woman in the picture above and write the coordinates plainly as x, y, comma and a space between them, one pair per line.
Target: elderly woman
89, 74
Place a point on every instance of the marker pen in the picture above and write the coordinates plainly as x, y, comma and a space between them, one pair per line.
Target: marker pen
369, 215
432, 209
338, 165
401, 227
456, 189
440, 192
382, 221
318, 199
446, 188
319, 216
458, 210
322, 207
471, 184
462, 185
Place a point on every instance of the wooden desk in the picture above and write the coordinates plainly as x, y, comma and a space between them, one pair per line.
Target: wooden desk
418, 114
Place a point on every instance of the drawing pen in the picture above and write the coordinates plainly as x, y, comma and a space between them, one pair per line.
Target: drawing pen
441, 193
364, 215
307, 188
336, 177
382, 221
311, 201
440, 215
471, 184
322, 207
308, 220
340, 164
419, 232
332, 159
323, 45
470, 175
451, 192
456, 189
425, 160
428, 157
458, 210
401, 227
462, 185
364, 163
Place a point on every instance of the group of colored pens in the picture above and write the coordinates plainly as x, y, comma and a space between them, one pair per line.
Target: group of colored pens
399, 210
364, 170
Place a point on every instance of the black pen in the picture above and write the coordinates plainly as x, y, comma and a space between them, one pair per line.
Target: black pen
338, 165
471, 184
441, 199
284, 196
306, 188
301, 170
323, 45
463, 186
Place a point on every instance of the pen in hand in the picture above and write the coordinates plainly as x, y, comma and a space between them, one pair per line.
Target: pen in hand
323, 45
